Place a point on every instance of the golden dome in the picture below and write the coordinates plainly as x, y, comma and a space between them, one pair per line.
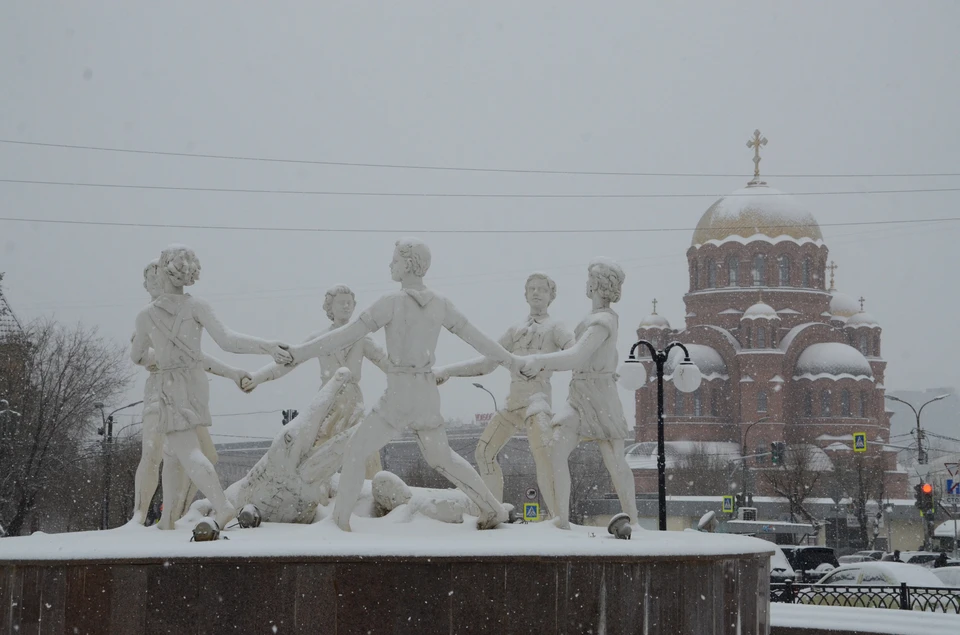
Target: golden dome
756, 212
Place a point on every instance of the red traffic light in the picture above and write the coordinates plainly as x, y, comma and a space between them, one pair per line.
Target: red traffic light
926, 488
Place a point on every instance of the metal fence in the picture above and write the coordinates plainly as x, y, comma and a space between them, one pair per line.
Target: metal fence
903, 597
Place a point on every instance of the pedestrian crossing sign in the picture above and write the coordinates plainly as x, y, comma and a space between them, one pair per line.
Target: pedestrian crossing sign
531, 511
859, 441
727, 507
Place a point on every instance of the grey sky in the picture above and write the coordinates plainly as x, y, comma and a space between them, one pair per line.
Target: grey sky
851, 87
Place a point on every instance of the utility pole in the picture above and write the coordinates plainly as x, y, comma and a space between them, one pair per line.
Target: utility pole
921, 454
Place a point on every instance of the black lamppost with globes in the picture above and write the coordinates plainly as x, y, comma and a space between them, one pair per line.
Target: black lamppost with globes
686, 377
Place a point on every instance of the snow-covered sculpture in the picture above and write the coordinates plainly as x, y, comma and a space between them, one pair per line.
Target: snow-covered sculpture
148, 471
339, 304
593, 411
290, 480
445, 505
412, 318
538, 333
172, 325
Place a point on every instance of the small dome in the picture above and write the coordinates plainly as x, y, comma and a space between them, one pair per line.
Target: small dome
654, 321
756, 211
834, 360
862, 319
843, 306
707, 359
760, 310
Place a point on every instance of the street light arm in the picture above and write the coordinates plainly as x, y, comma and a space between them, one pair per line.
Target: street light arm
675, 344
906, 403
129, 405
930, 402
650, 347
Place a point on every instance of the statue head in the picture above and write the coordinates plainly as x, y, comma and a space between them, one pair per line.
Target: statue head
180, 265
411, 256
604, 280
339, 303
151, 279
540, 290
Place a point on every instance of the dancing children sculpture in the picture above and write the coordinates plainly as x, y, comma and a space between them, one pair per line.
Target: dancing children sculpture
412, 318
593, 411
538, 333
172, 326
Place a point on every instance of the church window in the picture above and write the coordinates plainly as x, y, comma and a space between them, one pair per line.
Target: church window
697, 404
733, 269
695, 274
761, 337
805, 272
876, 346
863, 404
865, 344
784, 268
759, 270
678, 403
715, 403
746, 336
845, 404
711, 273
808, 403
762, 401
825, 403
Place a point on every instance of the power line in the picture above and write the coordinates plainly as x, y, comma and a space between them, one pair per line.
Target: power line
242, 414
369, 230
224, 190
448, 168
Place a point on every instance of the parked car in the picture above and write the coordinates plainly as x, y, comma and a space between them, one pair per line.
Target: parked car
852, 558
811, 562
923, 558
950, 576
881, 574
780, 568
840, 586
870, 554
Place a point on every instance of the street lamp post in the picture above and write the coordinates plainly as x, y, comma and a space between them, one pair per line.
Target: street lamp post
107, 432
921, 455
743, 443
686, 377
480, 386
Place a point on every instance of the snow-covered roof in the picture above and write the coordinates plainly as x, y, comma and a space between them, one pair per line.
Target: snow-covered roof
861, 320
760, 310
843, 306
788, 312
833, 360
730, 312
836, 446
643, 456
654, 321
707, 359
756, 212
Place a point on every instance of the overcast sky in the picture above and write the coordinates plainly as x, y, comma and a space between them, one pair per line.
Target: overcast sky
837, 87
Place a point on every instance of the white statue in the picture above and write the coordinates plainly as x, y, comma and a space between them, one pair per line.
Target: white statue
148, 471
339, 304
173, 324
446, 505
539, 333
412, 318
593, 411
290, 480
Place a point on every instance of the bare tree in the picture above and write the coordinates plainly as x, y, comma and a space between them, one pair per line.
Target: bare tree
796, 479
52, 375
859, 478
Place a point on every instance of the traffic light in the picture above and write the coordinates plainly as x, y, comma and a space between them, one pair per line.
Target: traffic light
289, 415
777, 450
924, 497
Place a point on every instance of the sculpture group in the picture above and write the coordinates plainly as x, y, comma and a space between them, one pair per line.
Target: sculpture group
333, 434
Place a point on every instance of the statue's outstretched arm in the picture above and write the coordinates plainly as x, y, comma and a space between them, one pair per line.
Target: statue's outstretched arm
140, 345
577, 355
477, 366
331, 342
234, 342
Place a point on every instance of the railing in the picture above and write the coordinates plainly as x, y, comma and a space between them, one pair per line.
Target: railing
903, 597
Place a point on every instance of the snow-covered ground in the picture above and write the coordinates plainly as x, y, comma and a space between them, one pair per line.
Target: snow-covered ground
881, 621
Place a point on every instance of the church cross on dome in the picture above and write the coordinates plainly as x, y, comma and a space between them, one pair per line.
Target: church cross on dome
832, 267
654, 306
862, 300
756, 142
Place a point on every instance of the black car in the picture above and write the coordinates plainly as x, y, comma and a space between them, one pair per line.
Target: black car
808, 561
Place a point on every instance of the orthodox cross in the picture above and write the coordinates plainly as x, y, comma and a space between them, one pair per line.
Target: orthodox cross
654, 306
832, 267
755, 143
862, 300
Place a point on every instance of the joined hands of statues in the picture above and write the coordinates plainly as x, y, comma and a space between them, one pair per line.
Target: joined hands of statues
241, 378
532, 366
280, 353
248, 383
441, 377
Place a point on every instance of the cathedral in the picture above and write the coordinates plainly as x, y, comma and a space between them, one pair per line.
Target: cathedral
785, 356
